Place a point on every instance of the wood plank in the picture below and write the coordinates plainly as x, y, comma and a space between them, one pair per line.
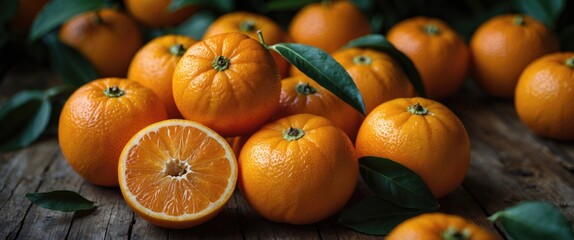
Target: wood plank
43, 223
22, 174
110, 220
509, 164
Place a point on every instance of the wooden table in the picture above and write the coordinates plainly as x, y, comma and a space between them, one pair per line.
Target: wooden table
508, 165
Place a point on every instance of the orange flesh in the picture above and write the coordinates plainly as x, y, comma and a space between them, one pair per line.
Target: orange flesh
177, 170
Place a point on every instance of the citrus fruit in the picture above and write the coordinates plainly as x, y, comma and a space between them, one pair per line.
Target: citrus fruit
177, 173
155, 13
420, 134
439, 54
248, 24
303, 95
328, 25
377, 75
228, 82
153, 66
503, 46
439, 226
107, 38
98, 120
544, 94
299, 170
22, 20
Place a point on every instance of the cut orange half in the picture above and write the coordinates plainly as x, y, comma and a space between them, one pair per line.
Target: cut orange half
177, 173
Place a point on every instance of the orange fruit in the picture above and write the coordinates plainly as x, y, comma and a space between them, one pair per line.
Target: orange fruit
228, 82
438, 226
303, 95
294, 71
377, 75
107, 38
544, 93
22, 20
248, 24
177, 173
328, 26
153, 66
155, 13
98, 120
439, 54
236, 144
299, 170
503, 46
420, 134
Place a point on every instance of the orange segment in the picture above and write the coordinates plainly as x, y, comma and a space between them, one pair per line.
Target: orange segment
177, 173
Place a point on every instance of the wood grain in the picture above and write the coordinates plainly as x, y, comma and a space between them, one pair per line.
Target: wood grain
508, 165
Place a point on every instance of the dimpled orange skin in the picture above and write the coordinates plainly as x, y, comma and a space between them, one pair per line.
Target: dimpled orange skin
94, 128
237, 22
153, 66
322, 103
431, 226
442, 59
328, 27
544, 96
379, 79
109, 45
155, 13
301, 181
502, 49
235, 101
435, 146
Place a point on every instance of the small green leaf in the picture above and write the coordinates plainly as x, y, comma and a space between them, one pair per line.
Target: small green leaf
380, 43
376, 216
23, 118
534, 220
219, 5
321, 67
396, 183
282, 5
364, 5
7, 10
547, 11
57, 12
70, 64
62, 200
195, 26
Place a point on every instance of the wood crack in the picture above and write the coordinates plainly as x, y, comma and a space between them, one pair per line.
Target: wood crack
131, 227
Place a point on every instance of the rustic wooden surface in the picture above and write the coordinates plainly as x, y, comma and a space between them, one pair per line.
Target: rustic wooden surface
508, 165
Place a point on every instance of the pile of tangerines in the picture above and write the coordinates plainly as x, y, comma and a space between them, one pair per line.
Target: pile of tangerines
196, 117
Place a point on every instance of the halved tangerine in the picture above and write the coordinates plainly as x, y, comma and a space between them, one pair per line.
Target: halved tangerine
177, 173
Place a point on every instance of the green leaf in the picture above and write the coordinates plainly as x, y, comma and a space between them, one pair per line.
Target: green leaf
282, 5
396, 183
547, 11
71, 65
534, 220
380, 43
466, 26
7, 10
376, 216
62, 200
321, 67
219, 5
196, 26
23, 118
57, 12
